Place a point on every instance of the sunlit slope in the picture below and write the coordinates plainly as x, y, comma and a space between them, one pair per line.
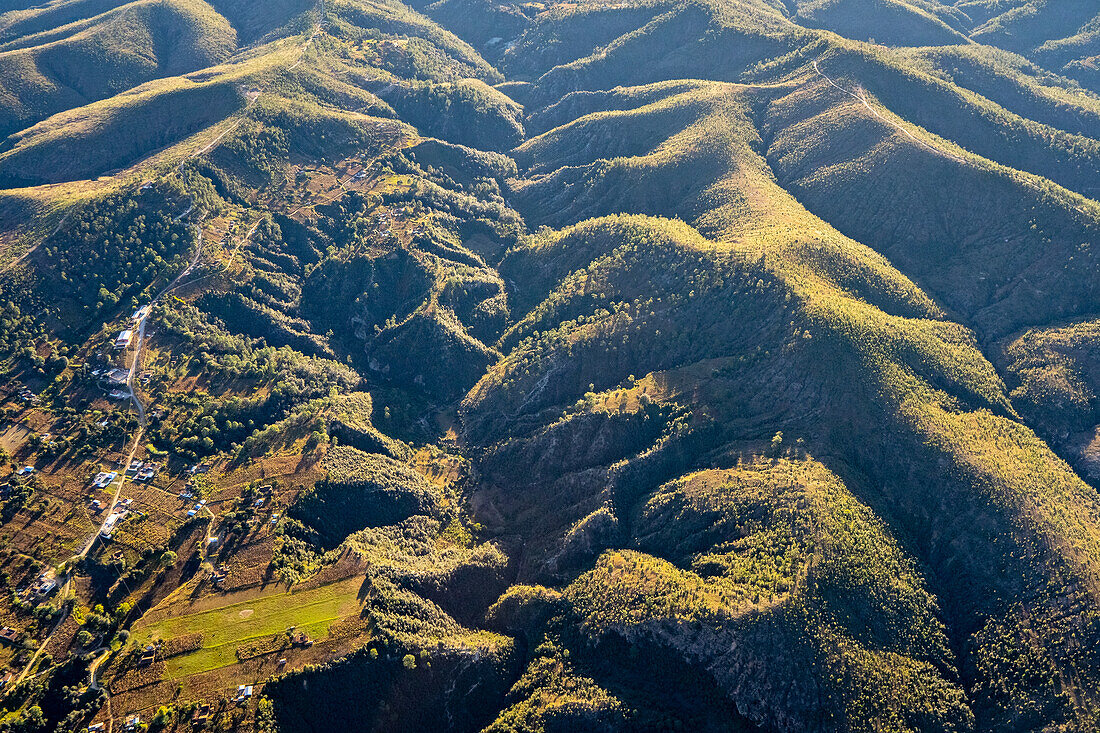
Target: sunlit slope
1016, 84
970, 120
1055, 381
720, 42
890, 22
752, 584
692, 149
26, 18
433, 49
1028, 26
115, 133
908, 194
1077, 55
1040, 128
416, 79
250, 20
929, 208
89, 59
736, 346
796, 611
749, 350
755, 45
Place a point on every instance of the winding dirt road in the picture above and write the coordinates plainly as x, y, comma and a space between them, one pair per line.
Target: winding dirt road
860, 96
139, 406
63, 583
135, 444
93, 684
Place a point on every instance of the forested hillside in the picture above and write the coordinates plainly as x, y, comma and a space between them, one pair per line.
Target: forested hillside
717, 365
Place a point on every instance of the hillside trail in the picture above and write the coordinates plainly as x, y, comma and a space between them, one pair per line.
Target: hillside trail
860, 96
229, 260
190, 156
302, 51
37, 653
93, 684
26, 254
135, 443
214, 143
136, 400
252, 101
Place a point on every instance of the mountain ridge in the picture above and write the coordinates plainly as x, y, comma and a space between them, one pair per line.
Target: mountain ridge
711, 365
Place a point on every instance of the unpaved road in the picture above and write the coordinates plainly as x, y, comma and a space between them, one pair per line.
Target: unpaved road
93, 684
861, 97
63, 583
139, 406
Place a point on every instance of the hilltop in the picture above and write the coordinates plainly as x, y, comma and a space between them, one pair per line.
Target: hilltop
647, 365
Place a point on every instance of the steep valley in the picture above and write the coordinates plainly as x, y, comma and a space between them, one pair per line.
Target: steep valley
720, 365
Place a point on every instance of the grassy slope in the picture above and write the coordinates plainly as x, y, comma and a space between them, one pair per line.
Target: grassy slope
868, 152
115, 133
891, 22
758, 33
38, 17
753, 317
68, 66
1077, 53
1054, 380
706, 171
875, 185
1064, 37
1016, 84
970, 120
662, 143
1026, 26
395, 19
229, 625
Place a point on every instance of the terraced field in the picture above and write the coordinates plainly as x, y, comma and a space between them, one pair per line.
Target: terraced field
228, 627
644, 365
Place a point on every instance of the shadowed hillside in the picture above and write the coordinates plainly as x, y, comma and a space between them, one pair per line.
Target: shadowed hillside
722, 365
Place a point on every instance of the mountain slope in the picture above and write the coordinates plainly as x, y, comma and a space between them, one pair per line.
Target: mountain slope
721, 365
103, 55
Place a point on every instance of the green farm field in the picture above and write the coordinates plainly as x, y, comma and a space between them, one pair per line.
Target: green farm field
225, 628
